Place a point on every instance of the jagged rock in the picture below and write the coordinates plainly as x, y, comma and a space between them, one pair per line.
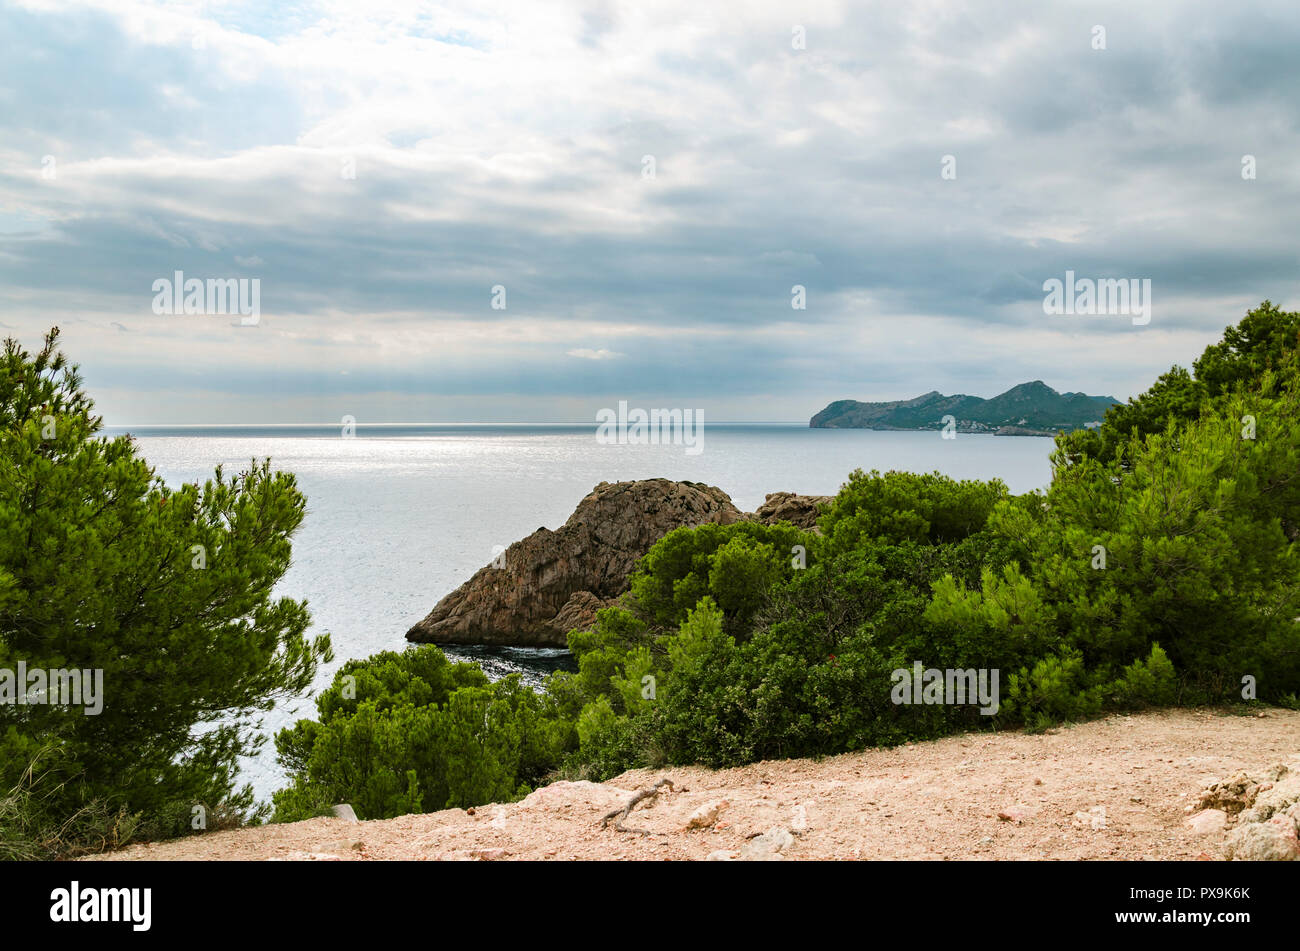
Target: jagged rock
800, 510
1271, 841
532, 599
553, 582
1274, 798
1231, 795
1267, 811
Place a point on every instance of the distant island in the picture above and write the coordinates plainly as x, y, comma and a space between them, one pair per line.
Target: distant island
1030, 409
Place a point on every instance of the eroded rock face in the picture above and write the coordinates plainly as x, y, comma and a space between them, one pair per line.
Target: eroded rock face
555, 581
552, 582
800, 510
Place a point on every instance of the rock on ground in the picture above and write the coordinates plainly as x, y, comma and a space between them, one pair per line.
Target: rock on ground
767, 846
1207, 822
1266, 805
706, 816
1273, 840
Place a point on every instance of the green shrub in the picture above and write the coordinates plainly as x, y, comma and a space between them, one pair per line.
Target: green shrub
1264, 339
412, 732
900, 507
1182, 545
734, 564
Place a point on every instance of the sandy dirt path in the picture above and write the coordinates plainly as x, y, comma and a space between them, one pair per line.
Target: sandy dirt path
1116, 788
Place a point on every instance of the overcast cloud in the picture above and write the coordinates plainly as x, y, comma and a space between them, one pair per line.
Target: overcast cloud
506, 143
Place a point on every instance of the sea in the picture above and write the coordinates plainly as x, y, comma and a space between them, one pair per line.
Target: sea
399, 515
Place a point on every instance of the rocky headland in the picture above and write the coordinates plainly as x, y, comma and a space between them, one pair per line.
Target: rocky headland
554, 581
1030, 409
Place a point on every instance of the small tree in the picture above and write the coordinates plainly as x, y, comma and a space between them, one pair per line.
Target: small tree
1262, 340
166, 591
1179, 543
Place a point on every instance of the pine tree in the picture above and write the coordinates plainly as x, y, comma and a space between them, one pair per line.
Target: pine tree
166, 590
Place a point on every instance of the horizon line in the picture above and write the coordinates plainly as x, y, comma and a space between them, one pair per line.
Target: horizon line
332, 423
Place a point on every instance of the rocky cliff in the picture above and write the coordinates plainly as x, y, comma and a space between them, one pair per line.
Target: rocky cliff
554, 581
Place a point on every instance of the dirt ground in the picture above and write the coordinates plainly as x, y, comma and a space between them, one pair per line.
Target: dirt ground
1118, 788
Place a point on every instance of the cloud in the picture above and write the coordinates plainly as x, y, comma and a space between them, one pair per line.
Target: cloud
601, 354
381, 170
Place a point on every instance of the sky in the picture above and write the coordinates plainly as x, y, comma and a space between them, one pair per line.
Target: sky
529, 211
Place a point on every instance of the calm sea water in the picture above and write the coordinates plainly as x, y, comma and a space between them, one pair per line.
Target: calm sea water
400, 515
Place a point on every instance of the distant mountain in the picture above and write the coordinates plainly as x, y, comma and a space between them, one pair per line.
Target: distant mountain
1029, 409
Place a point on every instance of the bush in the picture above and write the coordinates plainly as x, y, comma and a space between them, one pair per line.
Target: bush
810, 677
733, 564
1180, 544
412, 732
900, 507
